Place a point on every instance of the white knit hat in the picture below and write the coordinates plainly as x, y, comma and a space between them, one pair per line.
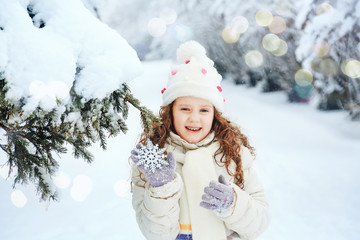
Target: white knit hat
195, 76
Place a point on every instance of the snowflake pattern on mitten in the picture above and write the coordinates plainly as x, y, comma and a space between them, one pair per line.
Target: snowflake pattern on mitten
151, 156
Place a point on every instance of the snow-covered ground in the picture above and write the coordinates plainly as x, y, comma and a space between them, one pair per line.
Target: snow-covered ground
307, 160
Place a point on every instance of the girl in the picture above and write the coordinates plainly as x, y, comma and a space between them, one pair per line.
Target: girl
207, 188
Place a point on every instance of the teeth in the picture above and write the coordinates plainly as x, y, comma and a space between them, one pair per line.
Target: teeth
193, 129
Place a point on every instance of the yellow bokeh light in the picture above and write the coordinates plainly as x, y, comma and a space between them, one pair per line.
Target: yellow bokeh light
351, 68
254, 59
343, 64
324, 8
156, 27
18, 198
271, 42
282, 50
229, 35
278, 25
328, 67
239, 24
321, 48
303, 77
263, 18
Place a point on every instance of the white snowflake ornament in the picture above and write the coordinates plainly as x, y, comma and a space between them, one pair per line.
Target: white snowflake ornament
151, 156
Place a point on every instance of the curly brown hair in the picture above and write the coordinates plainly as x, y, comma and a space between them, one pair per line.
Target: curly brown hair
229, 136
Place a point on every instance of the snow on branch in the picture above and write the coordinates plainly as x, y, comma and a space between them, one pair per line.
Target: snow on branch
63, 76
51, 46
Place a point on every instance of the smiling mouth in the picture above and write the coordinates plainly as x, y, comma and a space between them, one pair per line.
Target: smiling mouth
193, 129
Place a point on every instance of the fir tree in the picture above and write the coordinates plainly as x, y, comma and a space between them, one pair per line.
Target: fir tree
32, 142
34, 129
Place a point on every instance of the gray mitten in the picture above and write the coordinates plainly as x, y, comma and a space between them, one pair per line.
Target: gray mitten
150, 159
218, 195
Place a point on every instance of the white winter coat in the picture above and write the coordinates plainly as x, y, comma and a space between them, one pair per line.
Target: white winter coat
158, 209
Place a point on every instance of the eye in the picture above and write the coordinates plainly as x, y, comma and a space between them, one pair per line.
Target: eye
185, 109
204, 110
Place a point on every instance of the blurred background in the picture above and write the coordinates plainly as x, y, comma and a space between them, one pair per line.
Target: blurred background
307, 49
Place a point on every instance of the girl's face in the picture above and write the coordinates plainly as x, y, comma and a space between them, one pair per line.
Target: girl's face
193, 118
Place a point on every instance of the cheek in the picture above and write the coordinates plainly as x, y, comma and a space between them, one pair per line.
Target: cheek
208, 123
178, 121
176, 125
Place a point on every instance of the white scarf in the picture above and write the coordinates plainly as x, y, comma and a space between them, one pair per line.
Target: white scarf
197, 161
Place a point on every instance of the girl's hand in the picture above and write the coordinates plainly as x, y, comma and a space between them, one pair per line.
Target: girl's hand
151, 162
218, 196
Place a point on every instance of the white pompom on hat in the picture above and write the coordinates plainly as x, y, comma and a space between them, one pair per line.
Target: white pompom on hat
195, 76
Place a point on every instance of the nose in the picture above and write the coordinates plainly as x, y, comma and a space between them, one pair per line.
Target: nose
194, 117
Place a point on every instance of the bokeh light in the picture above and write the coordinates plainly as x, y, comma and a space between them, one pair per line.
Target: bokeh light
271, 42
168, 15
263, 18
278, 25
18, 198
303, 77
324, 8
183, 33
229, 35
239, 24
328, 67
61, 180
304, 92
254, 59
282, 49
81, 188
351, 68
156, 27
321, 48
122, 188
343, 64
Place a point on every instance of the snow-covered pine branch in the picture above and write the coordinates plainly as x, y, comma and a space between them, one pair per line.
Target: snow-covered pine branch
63, 77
